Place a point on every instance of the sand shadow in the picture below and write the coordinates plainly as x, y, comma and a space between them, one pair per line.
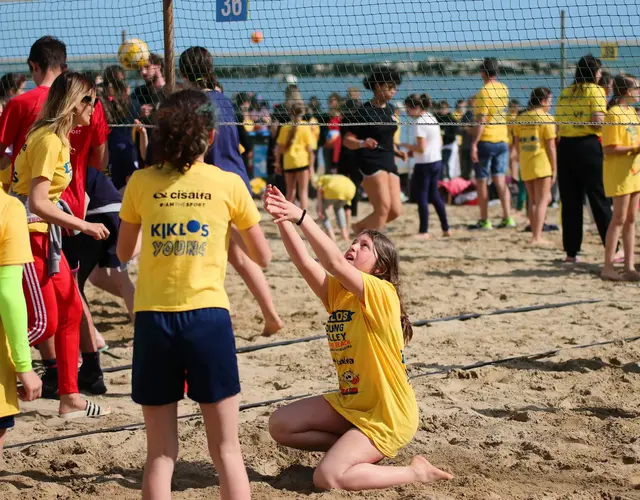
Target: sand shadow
580, 365
296, 478
106, 326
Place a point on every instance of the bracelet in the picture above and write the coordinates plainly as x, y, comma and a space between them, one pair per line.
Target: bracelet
304, 212
361, 143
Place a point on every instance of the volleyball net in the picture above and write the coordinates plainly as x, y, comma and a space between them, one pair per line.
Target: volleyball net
272, 54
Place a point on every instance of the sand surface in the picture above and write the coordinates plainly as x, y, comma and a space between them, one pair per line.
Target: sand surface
565, 426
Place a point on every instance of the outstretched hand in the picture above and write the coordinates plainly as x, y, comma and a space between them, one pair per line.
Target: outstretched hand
278, 207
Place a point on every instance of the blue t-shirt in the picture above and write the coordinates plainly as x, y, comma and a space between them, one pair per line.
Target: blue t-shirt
225, 151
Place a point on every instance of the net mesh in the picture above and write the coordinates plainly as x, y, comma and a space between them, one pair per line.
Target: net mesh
319, 52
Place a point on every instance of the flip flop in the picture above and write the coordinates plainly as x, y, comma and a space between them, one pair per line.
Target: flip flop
92, 410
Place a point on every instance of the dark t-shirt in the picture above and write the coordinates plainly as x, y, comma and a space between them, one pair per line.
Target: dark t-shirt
147, 94
374, 159
466, 135
449, 131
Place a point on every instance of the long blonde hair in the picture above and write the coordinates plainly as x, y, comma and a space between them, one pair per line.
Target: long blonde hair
57, 113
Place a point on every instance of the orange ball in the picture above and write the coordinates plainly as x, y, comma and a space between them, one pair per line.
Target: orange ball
257, 37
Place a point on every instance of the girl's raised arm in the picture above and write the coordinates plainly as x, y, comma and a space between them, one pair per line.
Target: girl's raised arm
330, 256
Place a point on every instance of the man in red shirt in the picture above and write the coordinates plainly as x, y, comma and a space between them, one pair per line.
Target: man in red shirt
47, 59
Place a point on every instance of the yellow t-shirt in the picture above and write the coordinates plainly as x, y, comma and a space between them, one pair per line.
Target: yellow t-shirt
511, 119
534, 161
337, 187
315, 129
576, 104
366, 344
492, 101
14, 250
618, 179
185, 222
43, 155
297, 156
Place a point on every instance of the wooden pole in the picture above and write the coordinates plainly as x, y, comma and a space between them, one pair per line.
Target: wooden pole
169, 58
124, 35
563, 52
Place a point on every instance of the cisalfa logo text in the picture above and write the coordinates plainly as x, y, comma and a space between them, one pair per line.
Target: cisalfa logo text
182, 195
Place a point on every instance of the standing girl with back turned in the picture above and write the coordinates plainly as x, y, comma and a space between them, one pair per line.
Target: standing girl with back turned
185, 209
534, 135
375, 412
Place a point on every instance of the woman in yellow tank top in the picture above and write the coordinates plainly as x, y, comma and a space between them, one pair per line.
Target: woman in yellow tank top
374, 413
620, 174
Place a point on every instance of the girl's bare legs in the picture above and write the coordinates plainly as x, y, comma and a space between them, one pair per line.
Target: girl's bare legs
161, 423
309, 424
290, 181
620, 211
377, 189
540, 194
629, 239
221, 424
395, 205
349, 465
254, 278
302, 180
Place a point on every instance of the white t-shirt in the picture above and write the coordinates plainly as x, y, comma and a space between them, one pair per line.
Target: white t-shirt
429, 128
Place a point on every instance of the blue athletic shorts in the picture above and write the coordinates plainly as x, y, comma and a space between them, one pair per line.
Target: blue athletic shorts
7, 422
195, 346
493, 159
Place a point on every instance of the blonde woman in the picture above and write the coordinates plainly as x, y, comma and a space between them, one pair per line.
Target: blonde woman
42, 172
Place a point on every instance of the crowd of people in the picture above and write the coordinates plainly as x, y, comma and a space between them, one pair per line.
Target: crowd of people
82, 199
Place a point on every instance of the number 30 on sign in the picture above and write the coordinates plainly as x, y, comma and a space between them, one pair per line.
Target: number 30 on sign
232, 10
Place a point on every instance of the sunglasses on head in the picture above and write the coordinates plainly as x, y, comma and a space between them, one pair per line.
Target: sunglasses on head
89, 100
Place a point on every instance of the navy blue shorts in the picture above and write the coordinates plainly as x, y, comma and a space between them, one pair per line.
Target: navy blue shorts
7, 422
195, 346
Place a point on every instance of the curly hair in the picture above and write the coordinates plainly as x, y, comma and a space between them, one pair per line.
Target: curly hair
380, 76
184, 123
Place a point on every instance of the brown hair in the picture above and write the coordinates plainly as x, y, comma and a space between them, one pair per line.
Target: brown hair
183, 124
11, 82
117, 109
387, 268
295, 111
422, 101
622, 84
196, 65
538, 95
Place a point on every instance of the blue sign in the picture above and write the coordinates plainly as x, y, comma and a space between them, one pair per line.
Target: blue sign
232, 10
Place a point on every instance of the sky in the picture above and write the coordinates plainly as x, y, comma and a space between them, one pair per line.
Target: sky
89, 28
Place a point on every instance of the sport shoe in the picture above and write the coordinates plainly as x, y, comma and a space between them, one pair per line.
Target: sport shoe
484, 225
91, 380
508, 222
50, 383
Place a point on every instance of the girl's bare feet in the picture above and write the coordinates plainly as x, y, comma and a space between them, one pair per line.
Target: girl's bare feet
611, 275
540, 242
422, 236
631, 275
272, 326
427, 473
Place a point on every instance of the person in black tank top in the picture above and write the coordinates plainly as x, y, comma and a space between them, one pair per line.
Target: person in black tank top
374, 126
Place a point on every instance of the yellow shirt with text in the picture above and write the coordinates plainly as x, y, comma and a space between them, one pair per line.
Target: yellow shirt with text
185, 222
14, 251
366, 344
337, 187
297, 156
619, 130
492, 101
534, 161
43, 155
577, 103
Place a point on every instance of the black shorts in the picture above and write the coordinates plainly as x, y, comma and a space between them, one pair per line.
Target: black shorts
72, 249
7, 422
170, 347
368, 170
298, 169
95, 253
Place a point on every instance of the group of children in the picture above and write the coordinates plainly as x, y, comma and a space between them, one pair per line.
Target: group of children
180, 216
